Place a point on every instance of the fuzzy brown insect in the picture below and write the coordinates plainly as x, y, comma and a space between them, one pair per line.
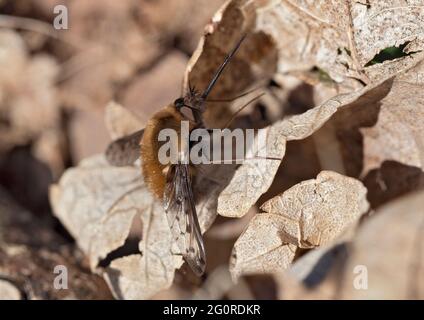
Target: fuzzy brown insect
172, 183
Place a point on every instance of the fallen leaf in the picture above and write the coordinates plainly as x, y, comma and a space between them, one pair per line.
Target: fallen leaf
399, 23
334, 40
310, 214
315, 212
293, 37
254, 177
237, 197
376, 264
261, 248
98, 204
398, 134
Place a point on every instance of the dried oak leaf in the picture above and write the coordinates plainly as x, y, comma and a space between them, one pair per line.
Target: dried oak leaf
389, 249
254, 177
310, 214
398, 134
285, 37
98, 204
335, 40
341, 38
317, 211
261, 248
356, 109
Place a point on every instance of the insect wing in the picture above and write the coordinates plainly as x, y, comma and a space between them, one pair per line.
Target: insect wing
124, 151
182, 217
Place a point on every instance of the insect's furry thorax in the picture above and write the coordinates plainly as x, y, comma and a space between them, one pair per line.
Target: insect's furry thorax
154, 171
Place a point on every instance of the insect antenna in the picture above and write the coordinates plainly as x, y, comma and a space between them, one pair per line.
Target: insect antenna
241, 108
199, 108
220, 69
234, 98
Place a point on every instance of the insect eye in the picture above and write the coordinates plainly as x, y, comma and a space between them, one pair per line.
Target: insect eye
179, 103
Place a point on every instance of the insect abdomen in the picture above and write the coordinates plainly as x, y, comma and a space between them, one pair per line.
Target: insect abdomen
153, 170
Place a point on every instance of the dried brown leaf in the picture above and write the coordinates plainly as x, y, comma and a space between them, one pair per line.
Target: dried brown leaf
254, 177
398, 22
315, 212
261, 248
310, 214
290, 37
404, 144
398, 134
98, 204
331, 41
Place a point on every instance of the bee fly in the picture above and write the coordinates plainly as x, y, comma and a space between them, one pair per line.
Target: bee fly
172, 183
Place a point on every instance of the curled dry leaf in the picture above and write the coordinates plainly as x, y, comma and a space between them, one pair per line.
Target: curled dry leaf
254, 177
398, 134
237, 197
261, 248
332, 39
286, 37
315, 212
310, 214
98, 204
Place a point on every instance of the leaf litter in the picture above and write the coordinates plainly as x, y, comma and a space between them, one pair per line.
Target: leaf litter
100, 204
